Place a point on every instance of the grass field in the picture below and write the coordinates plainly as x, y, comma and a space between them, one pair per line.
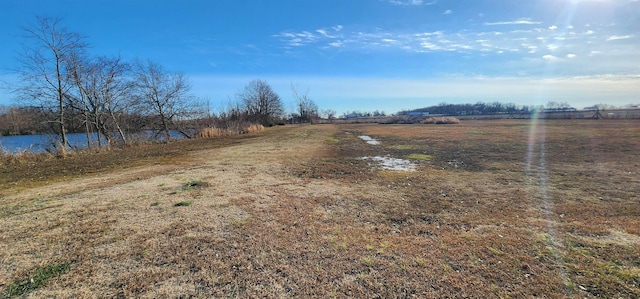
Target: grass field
494, 209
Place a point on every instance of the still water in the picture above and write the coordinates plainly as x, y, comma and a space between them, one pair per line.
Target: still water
39, 143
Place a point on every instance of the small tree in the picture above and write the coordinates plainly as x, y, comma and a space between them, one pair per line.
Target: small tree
102, 94
307, 108
329, 114
261, 103
45, 63
165, 94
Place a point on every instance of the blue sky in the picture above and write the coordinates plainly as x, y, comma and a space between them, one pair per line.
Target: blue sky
365, 55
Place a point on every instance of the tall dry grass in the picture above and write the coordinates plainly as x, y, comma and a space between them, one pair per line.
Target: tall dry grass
232, 129
212, 133
441, 120
8, 157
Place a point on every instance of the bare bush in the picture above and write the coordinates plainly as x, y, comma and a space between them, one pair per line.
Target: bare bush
441, 120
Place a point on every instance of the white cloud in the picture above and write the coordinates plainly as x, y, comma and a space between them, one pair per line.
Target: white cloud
303, 38
411, 2
324, 33
553, 27
447, 12
429, 33
619, 37
519, 48
430, 46
521, 21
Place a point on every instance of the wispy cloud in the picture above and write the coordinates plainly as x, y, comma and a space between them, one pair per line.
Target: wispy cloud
447, 12
521, 21
619, 37
302, 38
412, 2
324, 33
525, 49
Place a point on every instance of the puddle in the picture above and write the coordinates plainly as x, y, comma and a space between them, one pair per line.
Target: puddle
369, 140
389, 163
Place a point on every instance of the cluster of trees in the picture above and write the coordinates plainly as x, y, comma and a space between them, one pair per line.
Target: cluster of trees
354, 114
65, 89
66, 86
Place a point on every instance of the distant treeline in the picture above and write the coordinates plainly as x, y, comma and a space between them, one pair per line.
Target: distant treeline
478, 108
492, 108
358, 114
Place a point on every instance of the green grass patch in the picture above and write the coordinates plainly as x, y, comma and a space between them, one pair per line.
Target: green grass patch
333, 140
193, 184
182, 204
419, 157
368, 261
39, 277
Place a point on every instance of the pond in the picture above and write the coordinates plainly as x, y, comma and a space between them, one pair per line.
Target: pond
40, 143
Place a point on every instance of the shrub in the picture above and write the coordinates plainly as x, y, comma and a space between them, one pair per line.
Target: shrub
441, 120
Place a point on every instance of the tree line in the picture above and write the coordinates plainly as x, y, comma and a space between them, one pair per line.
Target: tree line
481, 108
478, 108
63, 89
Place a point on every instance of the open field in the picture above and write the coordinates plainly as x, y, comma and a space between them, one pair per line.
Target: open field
505, 208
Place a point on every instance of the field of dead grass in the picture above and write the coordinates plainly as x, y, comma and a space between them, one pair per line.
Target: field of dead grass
493, 209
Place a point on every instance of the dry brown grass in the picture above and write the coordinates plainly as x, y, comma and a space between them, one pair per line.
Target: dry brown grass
444, 120
212, 133
502, 209
254, 128
235, 129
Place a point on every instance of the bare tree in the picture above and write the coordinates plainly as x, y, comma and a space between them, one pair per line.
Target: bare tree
261, 103
307, 108
330, 114
44, 68
102, 94
165, 94
557, 105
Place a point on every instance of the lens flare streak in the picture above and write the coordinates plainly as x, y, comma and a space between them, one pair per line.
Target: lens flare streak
537, 172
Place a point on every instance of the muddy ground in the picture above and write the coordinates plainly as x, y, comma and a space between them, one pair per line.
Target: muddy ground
508, 208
